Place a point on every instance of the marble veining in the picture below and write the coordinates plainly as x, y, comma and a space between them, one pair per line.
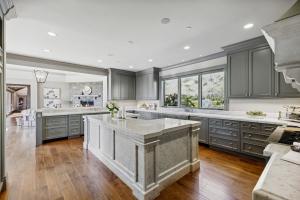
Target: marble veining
280, 179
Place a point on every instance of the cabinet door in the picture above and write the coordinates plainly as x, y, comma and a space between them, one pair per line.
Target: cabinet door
238, 74
115, 87
261, 72
139, 87
127, 87
283, 89
203, 135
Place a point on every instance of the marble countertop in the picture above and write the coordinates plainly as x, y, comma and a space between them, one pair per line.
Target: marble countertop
230, 115
280, 179
72, 111
144, 129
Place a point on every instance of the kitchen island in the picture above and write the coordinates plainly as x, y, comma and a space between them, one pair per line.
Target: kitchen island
147, 155
62, 122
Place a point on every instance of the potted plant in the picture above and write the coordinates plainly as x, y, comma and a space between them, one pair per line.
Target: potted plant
112, 108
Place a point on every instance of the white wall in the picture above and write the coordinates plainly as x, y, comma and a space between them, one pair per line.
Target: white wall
266, 105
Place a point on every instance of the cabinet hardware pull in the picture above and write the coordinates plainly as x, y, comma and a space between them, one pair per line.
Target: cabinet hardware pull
249, 135
198, 129
231, 143
249, 148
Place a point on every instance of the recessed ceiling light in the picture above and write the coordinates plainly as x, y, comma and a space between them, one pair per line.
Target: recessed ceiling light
249, 25
165, 20
130, 67
150, 60
186, 47
46, 50
188, 27
99, 61
182, 60
52, 34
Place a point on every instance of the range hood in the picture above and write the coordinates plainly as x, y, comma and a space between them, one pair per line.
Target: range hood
283, 37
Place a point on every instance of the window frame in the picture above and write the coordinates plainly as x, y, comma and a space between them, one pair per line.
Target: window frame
199, 73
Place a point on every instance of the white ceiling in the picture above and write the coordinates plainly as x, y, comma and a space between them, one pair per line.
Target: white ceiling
88, 30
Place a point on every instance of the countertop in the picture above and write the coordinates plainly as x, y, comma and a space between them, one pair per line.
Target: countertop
72, 111
144, 129
229, 115
280, 179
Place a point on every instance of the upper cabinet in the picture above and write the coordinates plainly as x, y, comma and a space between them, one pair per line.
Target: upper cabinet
251, 72
121, 85
238, 74
261, 72
147, 84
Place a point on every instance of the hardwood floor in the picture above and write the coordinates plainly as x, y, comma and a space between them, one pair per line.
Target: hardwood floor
63, 170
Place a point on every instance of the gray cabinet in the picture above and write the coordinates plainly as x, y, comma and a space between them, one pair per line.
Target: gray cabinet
238, 74
203, 134
55, 127
254, 137
224, 134
261, 72
147, 82
74, 125
121, 85
251, 74
282, 89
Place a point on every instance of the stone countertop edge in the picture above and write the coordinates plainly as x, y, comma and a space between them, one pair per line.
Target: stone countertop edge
276, 183
45, 114
228, 117
148, 135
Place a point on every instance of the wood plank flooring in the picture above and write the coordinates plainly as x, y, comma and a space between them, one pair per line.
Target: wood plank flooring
62, 170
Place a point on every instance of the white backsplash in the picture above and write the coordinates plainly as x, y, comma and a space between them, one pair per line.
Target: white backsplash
265, 105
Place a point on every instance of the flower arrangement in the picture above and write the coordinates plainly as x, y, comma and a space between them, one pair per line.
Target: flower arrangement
112, 108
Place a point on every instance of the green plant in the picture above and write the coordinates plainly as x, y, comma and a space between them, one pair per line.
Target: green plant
190, 101
112, 108
171, 100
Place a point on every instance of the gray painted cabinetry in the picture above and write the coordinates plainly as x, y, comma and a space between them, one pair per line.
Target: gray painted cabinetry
121, 85
147, 82
238, 74
251, 72
239, 136
203, 134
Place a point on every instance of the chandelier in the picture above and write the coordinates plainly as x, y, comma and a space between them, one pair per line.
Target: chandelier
41, 76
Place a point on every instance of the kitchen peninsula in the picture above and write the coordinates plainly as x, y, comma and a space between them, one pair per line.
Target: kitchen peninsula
147, 155
62, 122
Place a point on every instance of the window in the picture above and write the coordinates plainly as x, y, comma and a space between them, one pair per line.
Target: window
171, 92
213, 90
189, 91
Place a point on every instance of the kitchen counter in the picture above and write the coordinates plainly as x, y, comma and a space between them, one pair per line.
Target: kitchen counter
221, 114
147, 155
280, 179
144, 129
72, 111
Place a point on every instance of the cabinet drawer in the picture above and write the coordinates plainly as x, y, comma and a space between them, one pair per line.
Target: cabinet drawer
74, 118
74, 131
221, 131
56, 132
215, 122
56, 121
231, 124
224, 143
254, 136
250, 126
252, 149
268, 128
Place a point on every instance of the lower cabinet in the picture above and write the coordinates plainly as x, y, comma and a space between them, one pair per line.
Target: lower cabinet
74, 125
55, 127
224, 134
203, 134
254, 137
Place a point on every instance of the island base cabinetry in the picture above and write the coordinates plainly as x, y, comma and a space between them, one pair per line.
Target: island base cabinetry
149, 165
